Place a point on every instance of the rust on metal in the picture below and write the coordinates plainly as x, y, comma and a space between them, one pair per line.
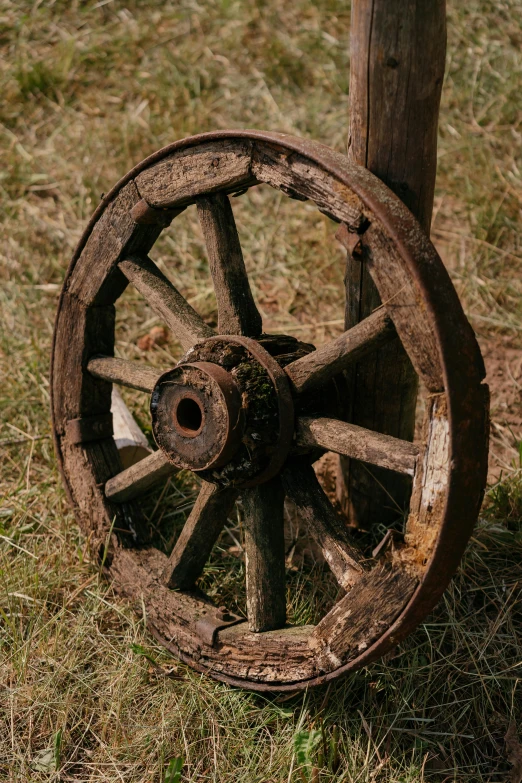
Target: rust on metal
207, 627
285, 406
197, 419
350, 240
89, 428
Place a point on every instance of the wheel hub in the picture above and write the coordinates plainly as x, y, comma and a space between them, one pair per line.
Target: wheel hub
226, 410
197, 416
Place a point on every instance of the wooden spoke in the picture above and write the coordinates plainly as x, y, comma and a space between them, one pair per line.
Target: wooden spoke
317, 367
123, 372
200, 533
166, 301
344, 558
237, 312
265, 555
358, 443
134, 481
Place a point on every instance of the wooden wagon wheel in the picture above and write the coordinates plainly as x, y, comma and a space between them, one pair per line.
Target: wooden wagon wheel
242, 409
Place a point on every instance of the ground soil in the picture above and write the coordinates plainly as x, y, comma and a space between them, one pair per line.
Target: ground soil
503, 360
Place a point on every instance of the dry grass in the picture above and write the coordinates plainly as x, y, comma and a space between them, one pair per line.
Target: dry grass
88, 90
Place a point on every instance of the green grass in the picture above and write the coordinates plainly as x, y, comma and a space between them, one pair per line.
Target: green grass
88, 90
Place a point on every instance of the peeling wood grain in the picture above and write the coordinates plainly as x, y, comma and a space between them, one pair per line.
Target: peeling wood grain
173, 615
361, 616
263, 527
184, 175
124, 372
187, 326
139, 478
358, 443
319, 366
430, 488
237, 312
300, 178
97, 280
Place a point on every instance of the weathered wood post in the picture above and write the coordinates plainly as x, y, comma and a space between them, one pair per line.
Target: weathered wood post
398, 50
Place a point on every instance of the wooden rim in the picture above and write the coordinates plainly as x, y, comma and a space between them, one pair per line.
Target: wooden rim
382, 604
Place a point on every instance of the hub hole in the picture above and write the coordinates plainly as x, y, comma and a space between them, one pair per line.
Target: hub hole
189, 416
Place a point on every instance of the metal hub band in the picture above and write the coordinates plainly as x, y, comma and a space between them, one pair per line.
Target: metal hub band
197, 417
228, 415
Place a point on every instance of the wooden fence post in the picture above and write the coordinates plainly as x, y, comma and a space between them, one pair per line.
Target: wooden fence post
398, 50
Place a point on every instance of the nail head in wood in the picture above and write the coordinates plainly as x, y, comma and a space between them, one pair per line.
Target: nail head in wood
89, 428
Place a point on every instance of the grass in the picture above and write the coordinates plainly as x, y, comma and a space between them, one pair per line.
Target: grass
90, 88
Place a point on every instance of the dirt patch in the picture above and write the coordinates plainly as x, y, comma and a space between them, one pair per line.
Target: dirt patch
503, 359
